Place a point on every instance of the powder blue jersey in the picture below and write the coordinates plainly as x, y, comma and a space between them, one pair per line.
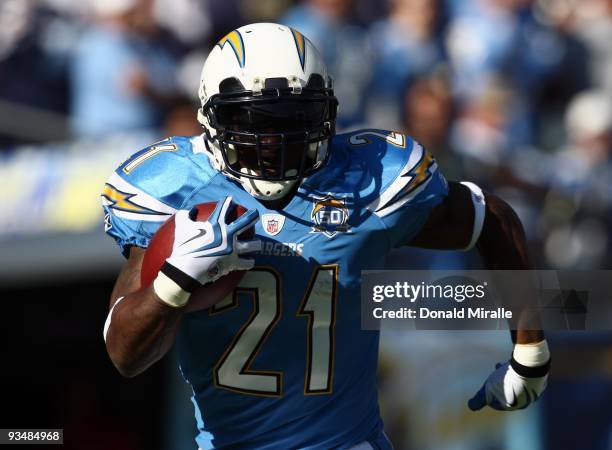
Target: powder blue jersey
283, 363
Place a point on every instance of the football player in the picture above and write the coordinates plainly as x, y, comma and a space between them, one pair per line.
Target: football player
283, 363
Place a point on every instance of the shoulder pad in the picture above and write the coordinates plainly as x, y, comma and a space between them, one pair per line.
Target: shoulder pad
406, 168
375, 147
154, 182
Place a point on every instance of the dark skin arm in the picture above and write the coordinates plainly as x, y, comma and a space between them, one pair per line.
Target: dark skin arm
143, 328
501, 243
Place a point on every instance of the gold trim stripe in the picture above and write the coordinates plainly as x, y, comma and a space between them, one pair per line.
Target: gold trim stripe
235, 41
300, 44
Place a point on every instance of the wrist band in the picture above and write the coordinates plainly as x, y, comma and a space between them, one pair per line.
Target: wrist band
184, 281
530, 372
169, 291
531, 360
531, 355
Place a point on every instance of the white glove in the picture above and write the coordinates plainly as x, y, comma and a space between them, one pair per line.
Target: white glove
517, 383
204, 251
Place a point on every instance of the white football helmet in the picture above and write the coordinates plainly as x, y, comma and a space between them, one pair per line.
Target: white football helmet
268, 108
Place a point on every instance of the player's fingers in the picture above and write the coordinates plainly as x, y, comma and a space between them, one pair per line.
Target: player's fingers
479, 400
244, 264
496, 404
243, 222
253, 245
218, 214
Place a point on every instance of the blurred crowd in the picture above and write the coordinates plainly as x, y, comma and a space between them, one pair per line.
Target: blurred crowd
513, 94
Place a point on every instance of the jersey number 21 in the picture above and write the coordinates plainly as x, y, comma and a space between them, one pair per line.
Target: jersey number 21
318, 305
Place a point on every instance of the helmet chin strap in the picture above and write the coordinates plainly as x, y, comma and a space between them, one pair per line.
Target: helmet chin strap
266, 190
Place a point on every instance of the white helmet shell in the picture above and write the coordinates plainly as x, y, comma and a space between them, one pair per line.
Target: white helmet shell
252, 54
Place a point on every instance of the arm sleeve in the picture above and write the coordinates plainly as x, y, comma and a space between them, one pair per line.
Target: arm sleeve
131, 216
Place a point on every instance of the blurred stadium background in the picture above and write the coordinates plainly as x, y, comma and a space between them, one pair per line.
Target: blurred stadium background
513, 94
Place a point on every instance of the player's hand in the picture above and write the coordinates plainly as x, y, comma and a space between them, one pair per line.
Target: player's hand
514, 385
205, 251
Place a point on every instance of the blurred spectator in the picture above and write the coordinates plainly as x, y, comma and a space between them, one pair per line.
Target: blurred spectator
263, 10
594, 26
35, 43
579, 205
225, 16
119, 72
403, 46
327, 23
490, 36
15, 19
484, 126
552, 68
479, 40
584, 167
316, 17
428, 113
180, 119
589, 126
188, 19
536, 53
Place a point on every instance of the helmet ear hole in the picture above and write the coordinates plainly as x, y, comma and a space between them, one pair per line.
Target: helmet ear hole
315, 81
231, 84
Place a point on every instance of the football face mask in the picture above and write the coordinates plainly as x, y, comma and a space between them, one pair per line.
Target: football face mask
274, 136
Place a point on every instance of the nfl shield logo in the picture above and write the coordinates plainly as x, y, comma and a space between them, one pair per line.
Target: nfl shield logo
272, 223
272, 227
